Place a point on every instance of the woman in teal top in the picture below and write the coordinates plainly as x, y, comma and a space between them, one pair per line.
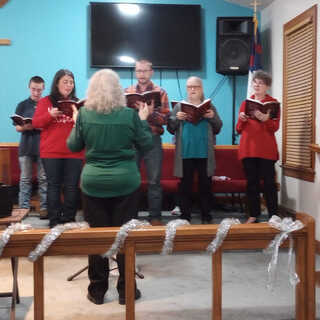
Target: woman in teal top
110, 133
194, 151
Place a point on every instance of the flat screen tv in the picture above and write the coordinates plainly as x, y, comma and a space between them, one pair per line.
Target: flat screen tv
168, 35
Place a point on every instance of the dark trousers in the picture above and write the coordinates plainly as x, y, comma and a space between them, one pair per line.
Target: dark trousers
108, 212
190, 166
256, 169
63, 176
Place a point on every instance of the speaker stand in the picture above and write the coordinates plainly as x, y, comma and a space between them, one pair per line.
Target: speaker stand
233, 108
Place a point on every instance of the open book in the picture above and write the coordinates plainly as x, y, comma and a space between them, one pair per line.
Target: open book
65, 106
19, 120
147, 97
264, 107
157, 119
195, 112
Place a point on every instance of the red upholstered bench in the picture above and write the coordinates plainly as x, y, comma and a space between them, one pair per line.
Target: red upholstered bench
227, 164
169, 182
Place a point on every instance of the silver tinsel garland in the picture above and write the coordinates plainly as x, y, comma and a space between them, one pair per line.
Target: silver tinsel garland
52, 235
171, 233
286, 226
222, 232
122, 235
5, 236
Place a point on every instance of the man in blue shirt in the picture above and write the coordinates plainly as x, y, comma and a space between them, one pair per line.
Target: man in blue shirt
29, 149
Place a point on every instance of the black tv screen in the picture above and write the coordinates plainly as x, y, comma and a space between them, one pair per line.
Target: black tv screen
167, 35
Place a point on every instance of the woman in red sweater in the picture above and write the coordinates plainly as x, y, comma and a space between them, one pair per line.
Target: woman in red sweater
258, 148
62, 167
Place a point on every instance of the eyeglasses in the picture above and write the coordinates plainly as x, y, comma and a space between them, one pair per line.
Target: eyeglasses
259, 83
143, 71
193, 87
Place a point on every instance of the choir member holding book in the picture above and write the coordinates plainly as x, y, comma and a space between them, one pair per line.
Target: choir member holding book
62, 167
29, 148
157, 118
194, 150
258, 147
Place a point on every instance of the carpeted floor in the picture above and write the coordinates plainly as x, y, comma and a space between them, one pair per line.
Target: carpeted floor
175, 287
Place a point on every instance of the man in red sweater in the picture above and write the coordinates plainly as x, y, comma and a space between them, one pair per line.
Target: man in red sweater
152, 158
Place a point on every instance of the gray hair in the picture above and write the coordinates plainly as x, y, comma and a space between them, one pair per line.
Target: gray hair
105, 93
263, 76
199, 81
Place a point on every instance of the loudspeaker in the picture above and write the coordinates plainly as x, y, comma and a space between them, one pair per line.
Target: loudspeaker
234, 38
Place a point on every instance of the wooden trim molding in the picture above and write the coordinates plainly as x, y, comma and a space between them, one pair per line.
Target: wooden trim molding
317, 272
3, 2
172, 146
8, 144
299, 173
5, 42
317, 247
314, 147
299, 95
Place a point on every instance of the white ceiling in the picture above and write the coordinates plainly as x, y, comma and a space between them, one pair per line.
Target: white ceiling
250, 3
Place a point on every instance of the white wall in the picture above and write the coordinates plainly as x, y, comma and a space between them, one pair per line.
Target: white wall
295, 194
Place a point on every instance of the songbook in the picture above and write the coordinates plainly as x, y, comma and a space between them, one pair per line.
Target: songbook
65, 106
147, 97
194, 112
270, 106
20, 121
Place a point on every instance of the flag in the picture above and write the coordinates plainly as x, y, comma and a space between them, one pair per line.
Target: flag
255, 55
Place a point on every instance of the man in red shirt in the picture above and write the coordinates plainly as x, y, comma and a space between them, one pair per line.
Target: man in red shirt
152, 158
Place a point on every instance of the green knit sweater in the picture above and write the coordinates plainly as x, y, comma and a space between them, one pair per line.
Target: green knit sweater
110, 142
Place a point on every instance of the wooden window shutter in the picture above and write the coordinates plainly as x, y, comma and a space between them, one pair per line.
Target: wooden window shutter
299, 95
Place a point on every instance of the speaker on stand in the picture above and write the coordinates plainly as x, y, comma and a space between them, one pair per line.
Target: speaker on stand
233, 46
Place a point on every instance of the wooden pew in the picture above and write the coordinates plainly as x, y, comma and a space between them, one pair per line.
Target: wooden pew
188, 238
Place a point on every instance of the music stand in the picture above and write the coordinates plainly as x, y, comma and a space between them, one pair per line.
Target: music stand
137, 273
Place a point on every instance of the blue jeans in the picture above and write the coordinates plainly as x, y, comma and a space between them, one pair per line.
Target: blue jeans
25, 184
153, 163
63, 177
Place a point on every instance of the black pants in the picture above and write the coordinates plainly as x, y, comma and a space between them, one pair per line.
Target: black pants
108, 212
255, 170
190, 166
63, 175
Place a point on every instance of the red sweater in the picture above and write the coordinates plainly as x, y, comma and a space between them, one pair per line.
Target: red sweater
54, 132
257, 138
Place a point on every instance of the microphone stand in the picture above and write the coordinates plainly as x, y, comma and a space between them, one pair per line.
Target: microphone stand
233, 109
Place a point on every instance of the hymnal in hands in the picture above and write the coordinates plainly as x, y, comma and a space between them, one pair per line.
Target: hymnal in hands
65, 106
194, 112
157, 119
148, 97
20, 121
264, 107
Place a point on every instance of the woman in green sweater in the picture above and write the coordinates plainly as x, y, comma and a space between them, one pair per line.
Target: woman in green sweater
110, 133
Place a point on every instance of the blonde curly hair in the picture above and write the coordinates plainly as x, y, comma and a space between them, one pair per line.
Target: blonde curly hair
105, 93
